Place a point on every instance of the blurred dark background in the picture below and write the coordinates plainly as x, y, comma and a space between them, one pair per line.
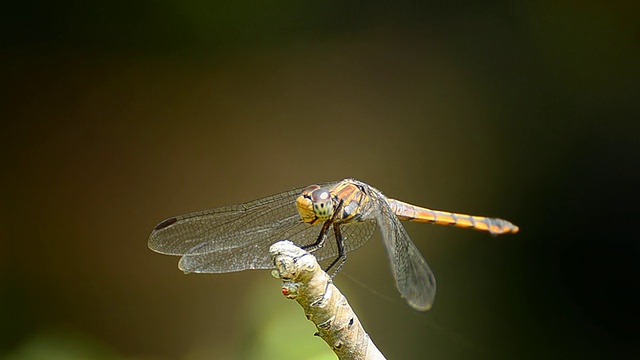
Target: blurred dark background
116, 115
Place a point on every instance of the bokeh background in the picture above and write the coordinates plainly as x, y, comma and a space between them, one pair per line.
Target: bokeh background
116, 115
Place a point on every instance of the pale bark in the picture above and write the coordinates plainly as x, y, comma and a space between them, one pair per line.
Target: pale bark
322, 302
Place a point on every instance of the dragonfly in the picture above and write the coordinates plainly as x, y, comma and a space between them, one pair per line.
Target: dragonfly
329, 219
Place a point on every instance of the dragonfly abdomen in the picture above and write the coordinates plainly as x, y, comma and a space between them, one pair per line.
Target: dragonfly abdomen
410, 212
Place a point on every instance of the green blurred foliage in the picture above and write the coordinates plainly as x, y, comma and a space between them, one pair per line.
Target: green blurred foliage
62, 344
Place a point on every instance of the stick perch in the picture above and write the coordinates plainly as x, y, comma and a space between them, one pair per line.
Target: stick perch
323, 304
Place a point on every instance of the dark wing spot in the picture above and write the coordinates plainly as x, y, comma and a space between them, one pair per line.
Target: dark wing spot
165, 223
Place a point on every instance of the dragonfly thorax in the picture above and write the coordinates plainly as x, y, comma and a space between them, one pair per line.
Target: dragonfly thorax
315, 205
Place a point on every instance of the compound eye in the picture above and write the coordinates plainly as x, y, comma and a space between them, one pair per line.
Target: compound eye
322, 204
307, 192
319, 194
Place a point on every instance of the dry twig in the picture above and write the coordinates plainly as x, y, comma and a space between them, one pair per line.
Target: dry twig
323, 304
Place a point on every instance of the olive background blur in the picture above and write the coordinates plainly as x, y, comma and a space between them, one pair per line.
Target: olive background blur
116, 115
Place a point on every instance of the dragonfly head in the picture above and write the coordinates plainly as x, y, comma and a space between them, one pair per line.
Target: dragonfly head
315, 205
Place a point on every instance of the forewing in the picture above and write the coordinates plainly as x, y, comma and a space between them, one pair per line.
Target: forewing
219, 228
414, 279
225, 227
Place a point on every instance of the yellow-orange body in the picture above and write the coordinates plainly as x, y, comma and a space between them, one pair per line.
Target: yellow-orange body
357, 204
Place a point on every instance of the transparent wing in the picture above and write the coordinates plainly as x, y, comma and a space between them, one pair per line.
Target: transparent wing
246, 249
224, 227
238, 237
414, 279
255, 255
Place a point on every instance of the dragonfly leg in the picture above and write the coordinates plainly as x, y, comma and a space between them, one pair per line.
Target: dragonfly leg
324, 232
342, 255
321, 239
